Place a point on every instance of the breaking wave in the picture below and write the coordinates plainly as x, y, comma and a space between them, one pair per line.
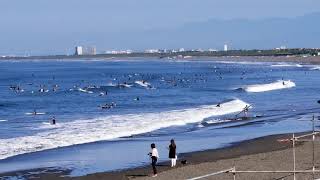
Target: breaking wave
269, 87
111, 127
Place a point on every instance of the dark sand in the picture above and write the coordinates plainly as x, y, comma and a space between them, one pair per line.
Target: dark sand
264, 153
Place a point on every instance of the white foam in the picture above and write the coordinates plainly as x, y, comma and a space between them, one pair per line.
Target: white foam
3, 120
126, 85
111, 84
269, 87
243, 62
217, 121
143, 83
315, 68
111, 127
37, 113
286, 65
48, 125
84, 90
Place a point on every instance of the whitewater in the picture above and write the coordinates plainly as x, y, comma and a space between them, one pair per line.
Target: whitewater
111, 127
280, 84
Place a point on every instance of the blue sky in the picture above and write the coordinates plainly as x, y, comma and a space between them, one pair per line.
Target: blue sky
55, 26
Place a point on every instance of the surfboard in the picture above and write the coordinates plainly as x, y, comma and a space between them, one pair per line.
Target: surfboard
242, 110
37, 113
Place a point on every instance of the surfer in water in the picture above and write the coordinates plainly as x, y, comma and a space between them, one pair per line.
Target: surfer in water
55, 87
218, 105
34, 112
245, 111
108, 106
53, 121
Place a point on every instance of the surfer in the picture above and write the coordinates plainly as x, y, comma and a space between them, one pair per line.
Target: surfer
41, 89
283, 83
245, 111
218, 105
34, 112
55, 87
53, 121
137, 98
106, 106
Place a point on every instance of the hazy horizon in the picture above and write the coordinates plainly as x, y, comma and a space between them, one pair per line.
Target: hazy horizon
39, 27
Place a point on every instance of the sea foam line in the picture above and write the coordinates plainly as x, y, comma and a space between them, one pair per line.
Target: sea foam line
111, 127
280, 84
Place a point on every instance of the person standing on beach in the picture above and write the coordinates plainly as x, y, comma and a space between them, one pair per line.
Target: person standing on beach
154, 158
172, 153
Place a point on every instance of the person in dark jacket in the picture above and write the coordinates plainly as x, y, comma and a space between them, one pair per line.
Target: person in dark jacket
172, 153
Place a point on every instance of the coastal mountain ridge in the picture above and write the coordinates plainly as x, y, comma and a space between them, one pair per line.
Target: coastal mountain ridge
237, 33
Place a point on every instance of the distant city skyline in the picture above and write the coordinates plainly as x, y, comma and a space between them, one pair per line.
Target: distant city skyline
39, 27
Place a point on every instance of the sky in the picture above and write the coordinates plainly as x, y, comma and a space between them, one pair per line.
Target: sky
56, 26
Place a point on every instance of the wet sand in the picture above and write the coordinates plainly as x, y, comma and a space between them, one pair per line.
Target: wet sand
264, 153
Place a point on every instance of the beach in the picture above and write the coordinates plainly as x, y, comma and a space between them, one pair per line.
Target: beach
122, 90
113, 110
261, 154
265, 153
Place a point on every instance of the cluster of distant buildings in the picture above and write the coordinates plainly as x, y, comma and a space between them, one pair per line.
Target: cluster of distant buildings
81, 50
91, 50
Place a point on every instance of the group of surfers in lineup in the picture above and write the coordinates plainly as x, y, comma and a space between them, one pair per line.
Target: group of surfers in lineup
154, 155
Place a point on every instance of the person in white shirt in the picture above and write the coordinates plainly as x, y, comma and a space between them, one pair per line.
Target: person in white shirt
154, 158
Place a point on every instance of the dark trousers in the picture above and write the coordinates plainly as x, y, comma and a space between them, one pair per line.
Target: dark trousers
154, 162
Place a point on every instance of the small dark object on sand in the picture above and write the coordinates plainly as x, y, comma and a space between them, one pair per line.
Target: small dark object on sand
184, 162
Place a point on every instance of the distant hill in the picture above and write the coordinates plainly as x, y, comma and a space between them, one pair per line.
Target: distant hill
296, 32
301, 31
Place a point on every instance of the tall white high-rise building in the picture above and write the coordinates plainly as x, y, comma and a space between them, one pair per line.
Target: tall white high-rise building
225, 47
79, 50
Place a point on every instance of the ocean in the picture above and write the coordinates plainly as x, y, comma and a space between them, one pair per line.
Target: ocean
108, 112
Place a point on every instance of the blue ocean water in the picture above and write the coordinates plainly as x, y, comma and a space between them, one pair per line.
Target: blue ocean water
145, 101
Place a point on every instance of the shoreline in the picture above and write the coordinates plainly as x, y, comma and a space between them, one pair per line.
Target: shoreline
196, 157
255, 146
235, 150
